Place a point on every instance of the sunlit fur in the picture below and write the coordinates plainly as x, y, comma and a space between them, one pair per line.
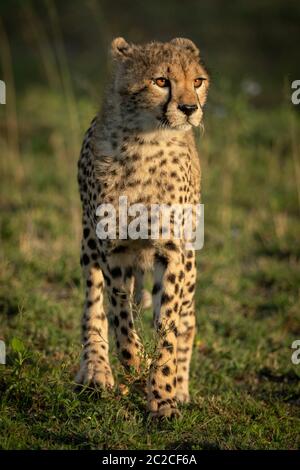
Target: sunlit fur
142, 146
151, 106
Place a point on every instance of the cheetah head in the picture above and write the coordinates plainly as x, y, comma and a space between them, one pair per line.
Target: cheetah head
160, 85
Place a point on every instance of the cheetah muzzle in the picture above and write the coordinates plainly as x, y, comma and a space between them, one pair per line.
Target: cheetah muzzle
141, 145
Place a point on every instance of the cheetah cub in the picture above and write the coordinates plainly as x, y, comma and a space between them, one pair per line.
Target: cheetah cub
142, 146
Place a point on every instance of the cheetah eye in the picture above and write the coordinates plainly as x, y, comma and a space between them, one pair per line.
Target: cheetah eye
162, 82
198, 82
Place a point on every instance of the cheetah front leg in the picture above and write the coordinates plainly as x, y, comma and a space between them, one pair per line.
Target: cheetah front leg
186, 329
167, 297
95, 368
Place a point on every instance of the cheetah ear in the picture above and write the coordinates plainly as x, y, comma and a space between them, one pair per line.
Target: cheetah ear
186, 44
120, 49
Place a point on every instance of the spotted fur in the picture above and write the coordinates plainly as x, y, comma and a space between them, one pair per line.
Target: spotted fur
141, 145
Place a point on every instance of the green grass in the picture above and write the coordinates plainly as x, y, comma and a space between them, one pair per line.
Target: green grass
245, 389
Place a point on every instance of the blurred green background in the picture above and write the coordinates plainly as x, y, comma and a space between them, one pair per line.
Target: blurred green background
245, 388
239, 39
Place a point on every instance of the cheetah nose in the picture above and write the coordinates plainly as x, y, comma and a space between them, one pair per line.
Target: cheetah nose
187, 109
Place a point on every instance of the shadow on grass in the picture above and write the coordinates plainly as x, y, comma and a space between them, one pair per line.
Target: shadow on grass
9, 306
289, 377
192, 445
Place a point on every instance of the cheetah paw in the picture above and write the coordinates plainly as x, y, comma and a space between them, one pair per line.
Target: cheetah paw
182, 396
95, 377
166, 411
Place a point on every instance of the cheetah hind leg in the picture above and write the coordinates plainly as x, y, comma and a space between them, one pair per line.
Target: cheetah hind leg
142, 297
